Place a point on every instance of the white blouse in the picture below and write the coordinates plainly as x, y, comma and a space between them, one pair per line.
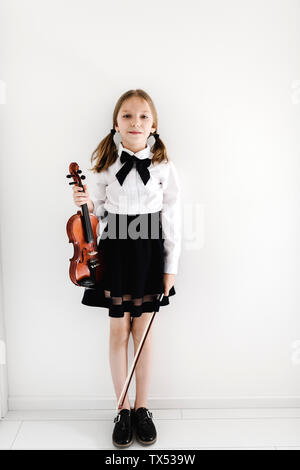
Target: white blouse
161, 193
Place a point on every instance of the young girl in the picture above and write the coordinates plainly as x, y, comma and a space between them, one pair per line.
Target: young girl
137, 187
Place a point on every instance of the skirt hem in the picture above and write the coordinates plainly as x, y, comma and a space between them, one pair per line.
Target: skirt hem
94, 298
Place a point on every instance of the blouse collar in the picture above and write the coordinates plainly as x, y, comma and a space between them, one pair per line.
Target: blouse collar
144, 153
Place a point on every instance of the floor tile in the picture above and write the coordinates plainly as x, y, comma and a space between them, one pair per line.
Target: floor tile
8, 432
213, 429
254, 413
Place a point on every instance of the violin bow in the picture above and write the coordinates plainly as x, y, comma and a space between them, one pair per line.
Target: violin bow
137, 355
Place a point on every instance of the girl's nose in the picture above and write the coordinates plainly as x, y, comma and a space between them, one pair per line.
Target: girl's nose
134, 122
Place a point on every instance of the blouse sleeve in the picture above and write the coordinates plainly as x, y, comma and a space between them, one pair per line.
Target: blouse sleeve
171, 219
97, 193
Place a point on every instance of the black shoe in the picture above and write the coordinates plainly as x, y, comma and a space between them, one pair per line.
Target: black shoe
144, 427
123, 431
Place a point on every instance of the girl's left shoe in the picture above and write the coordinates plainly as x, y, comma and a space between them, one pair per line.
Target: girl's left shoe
145, 431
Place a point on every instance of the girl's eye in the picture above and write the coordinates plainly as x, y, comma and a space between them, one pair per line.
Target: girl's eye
125, 115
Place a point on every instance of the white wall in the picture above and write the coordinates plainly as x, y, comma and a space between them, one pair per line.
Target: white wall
225, 77
3, 364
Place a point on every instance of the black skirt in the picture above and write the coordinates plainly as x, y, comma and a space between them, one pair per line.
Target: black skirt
132, 247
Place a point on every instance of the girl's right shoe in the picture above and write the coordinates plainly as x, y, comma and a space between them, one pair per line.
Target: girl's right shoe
123, 431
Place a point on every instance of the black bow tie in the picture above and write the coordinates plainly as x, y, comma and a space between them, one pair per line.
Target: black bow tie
141, 166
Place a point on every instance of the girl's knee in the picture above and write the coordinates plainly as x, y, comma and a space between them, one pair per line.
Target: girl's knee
139, 324
120, 327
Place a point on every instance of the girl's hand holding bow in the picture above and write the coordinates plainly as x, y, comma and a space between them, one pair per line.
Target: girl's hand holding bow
168, 282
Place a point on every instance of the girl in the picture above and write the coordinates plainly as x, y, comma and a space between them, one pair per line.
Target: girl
137, 187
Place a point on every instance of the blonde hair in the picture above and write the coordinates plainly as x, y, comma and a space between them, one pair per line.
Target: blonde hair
106, 152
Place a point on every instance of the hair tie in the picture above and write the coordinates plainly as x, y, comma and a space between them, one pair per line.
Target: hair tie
156, 136
113, 131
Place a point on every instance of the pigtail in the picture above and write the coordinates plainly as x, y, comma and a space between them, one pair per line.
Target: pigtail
105, 153
158, 149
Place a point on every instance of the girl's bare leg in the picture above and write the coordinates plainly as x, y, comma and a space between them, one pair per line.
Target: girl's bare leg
143, 367
118, 353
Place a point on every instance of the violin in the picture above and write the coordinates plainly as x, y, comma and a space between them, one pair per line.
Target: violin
87, 264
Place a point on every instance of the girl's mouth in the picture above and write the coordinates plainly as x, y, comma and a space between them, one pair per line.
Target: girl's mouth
131, 132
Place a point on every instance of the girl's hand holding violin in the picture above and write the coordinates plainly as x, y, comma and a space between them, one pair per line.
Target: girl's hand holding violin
81, 197
168, 282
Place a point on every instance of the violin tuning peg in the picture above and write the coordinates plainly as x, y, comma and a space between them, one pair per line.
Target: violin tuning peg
72, 182
83, 177
69, 176
79, 171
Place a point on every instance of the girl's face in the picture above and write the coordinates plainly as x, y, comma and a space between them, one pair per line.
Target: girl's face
134, 115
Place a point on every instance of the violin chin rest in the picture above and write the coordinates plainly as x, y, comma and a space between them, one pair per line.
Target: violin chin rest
86, 282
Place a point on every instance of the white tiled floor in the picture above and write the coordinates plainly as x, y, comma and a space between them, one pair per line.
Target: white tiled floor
176, 429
